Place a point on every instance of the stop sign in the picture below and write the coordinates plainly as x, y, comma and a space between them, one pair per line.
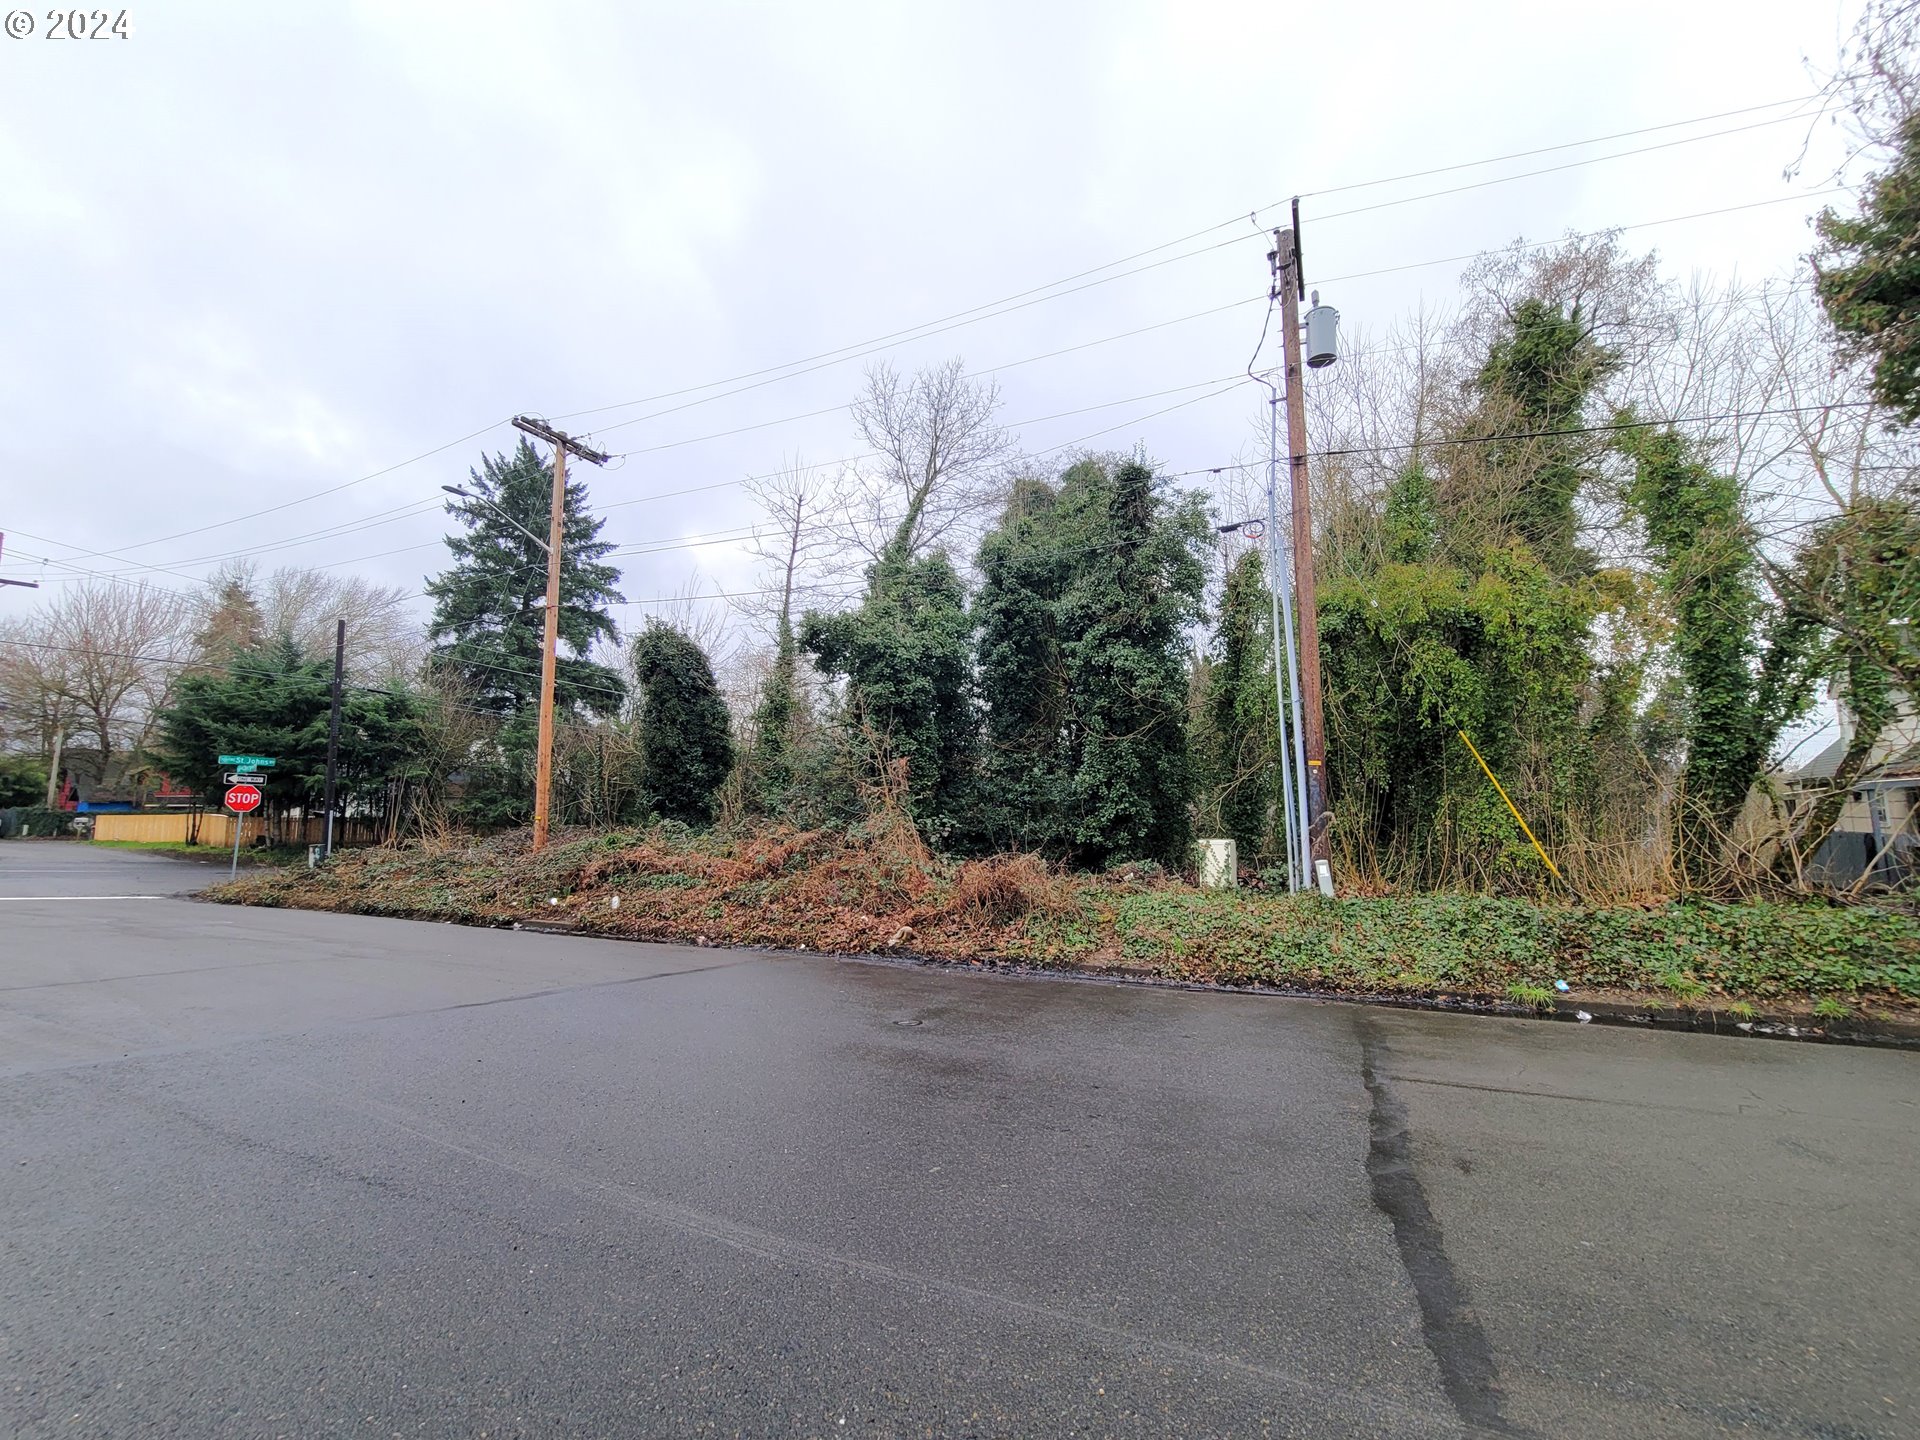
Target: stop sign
242, 798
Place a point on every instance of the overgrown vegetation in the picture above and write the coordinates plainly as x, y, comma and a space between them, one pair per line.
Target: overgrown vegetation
1591, 539
878, 889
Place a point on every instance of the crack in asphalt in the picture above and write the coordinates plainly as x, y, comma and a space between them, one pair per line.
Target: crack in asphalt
785, 1249
1452, 1330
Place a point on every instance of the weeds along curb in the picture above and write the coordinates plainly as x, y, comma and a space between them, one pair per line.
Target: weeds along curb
1879, 1034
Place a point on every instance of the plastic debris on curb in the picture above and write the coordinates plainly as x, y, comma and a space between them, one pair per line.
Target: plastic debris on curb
1582, 1016
1562, 986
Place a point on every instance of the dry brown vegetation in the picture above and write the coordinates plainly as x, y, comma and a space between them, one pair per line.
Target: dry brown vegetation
878, 889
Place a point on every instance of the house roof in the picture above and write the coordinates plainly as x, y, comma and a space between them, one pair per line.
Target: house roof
1823, 765
1904, 766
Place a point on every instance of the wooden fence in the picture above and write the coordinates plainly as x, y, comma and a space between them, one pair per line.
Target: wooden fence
215, 828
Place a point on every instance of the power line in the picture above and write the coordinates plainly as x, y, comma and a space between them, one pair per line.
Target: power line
422, 507
1549, 149
367, 522
1552, 169
121, 552
855, 349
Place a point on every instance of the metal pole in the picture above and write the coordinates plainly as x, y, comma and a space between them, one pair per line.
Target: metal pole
333, 726
239, 824
543, 765
1303, 844
1312, 714
1294, 879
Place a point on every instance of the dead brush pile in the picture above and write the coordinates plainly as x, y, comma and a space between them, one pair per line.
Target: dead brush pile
875, 887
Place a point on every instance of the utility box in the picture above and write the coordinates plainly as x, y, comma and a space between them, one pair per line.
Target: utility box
1323, 335
1219, 864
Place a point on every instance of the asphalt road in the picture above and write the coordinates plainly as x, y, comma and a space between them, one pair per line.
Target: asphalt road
266, 1173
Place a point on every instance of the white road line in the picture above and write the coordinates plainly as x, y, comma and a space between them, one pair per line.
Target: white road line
4, 898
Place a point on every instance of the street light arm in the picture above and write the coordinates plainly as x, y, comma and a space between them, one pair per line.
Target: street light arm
482, 500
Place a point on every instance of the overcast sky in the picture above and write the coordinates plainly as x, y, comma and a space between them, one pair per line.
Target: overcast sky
258, 251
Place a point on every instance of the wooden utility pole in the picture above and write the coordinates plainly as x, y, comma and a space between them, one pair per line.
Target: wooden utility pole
556, 533
1312, 720
53, 769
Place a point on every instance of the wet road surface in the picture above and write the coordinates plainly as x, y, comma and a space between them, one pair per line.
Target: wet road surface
270, 1173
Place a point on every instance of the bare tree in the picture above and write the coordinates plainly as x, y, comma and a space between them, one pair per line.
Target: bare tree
95, 663
938, 465
384, 640
34, 682
797, 500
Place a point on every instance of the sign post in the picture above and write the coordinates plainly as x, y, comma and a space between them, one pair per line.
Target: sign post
241, 798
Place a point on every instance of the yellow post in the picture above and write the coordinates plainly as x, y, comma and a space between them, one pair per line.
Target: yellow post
1545, 858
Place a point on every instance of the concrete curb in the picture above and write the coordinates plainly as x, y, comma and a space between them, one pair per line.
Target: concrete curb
1881, 1034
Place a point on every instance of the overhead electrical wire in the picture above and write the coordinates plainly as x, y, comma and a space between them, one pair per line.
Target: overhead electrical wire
843, 352
1025, 296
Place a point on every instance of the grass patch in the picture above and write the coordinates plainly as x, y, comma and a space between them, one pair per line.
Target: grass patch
249, 854
877, 889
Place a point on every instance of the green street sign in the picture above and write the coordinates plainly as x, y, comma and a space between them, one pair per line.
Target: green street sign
248, 762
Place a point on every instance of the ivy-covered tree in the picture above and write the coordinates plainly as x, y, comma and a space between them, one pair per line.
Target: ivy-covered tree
1740, 686
489, 614
685, 737
770, 757
1534, 386
1421, 647
1026, 772
908, 666
271, 701
1089, 586
1239, 757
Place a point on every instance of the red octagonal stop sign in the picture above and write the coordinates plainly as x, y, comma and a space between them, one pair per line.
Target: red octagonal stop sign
242, 798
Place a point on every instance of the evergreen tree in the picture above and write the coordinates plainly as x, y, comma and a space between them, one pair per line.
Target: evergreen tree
23, 781
1867, 267
489, 615
907, 660
1088, 588
685, 737
232, 624
271, 701
1867, 276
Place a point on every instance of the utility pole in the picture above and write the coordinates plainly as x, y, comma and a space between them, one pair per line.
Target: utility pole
1312, 721
556, 533
333, 727
53, 770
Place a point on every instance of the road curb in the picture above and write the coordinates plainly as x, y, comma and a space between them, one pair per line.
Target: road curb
1878, 1034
